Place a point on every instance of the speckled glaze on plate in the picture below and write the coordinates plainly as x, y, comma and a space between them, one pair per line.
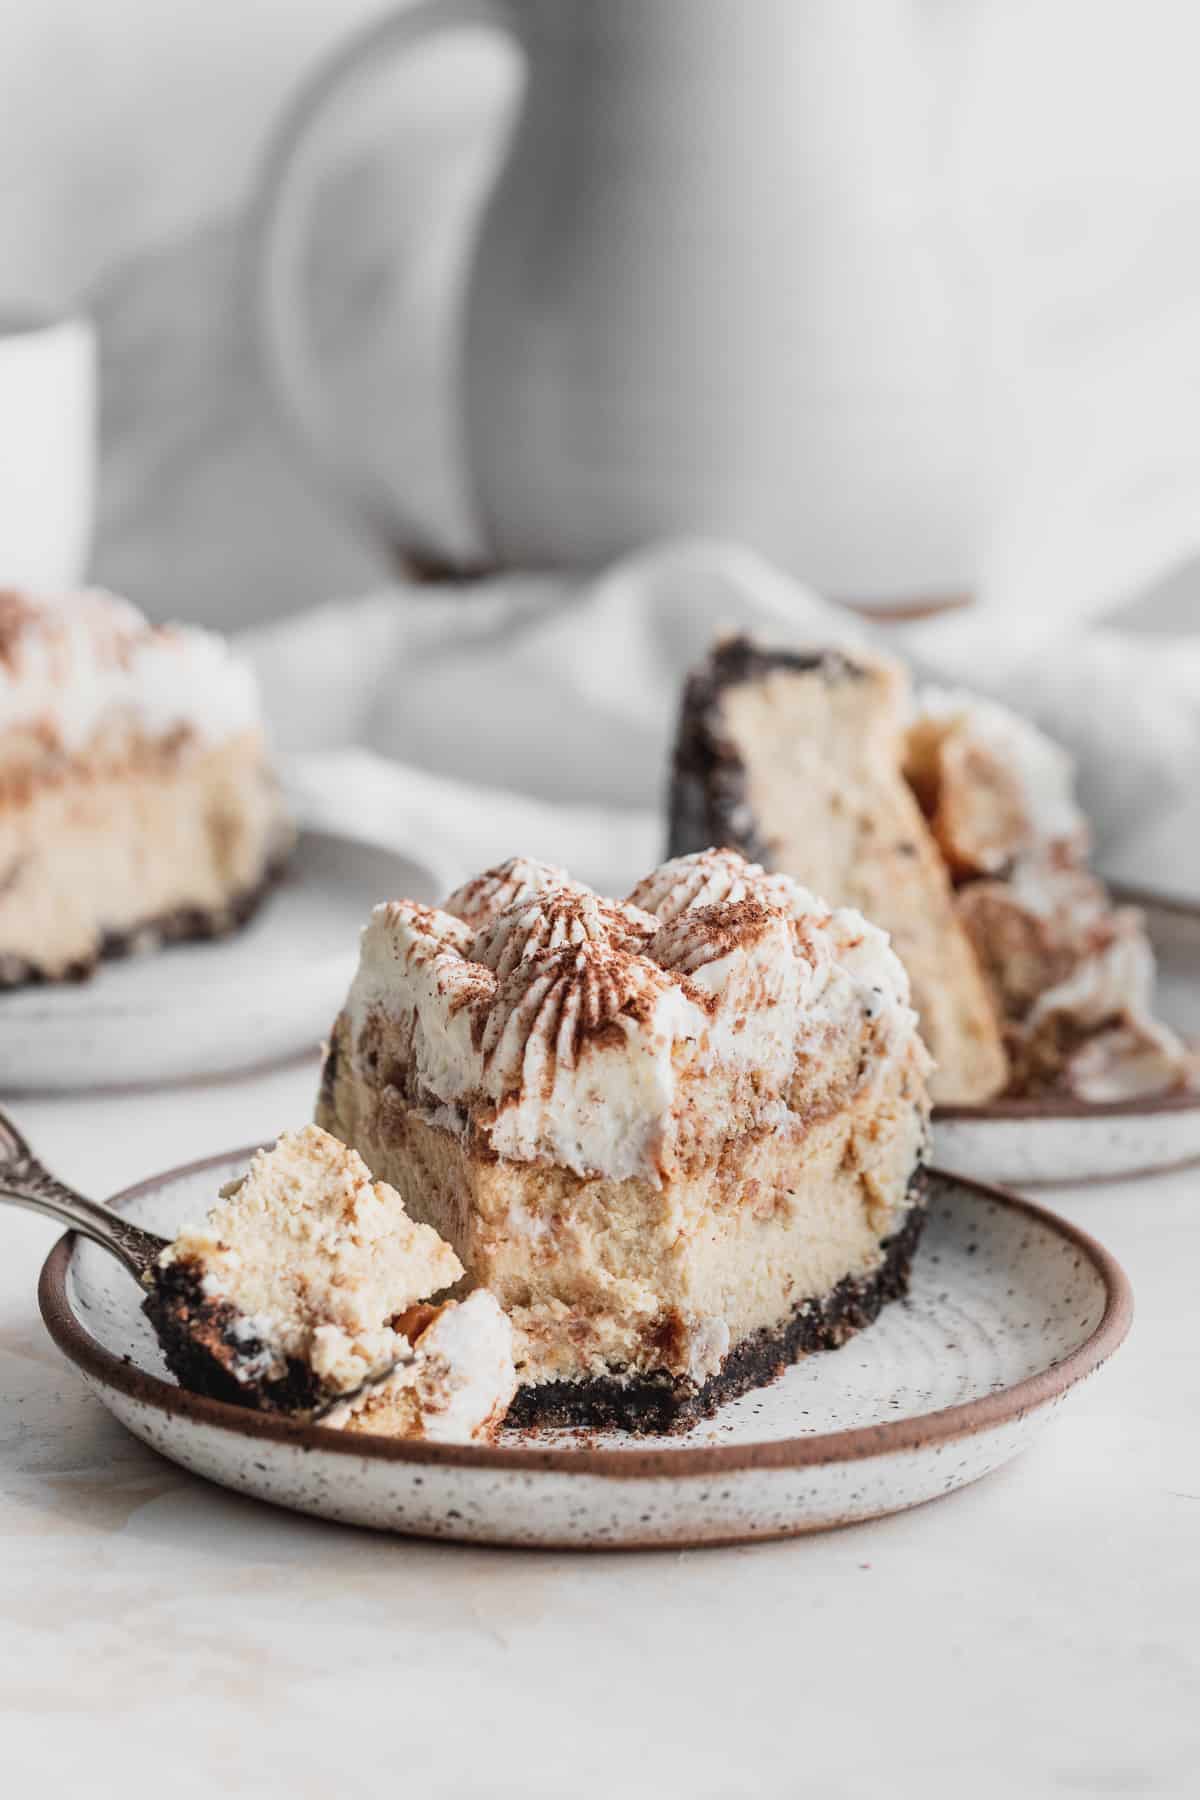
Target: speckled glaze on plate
215, 1008
1060, 1141
1056, 1142
1010, 1308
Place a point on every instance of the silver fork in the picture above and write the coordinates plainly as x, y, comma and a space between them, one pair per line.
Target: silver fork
26, 1181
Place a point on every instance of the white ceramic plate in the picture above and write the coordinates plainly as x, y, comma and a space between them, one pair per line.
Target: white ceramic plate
1010, 1307
1028, 1141
269, 992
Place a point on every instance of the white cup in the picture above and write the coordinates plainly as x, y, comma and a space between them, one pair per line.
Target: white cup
47, 449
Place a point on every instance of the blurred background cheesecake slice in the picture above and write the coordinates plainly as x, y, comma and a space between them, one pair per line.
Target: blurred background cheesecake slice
137, 803
953, 823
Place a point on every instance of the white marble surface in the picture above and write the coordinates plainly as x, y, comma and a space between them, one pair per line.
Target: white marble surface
1035, 1634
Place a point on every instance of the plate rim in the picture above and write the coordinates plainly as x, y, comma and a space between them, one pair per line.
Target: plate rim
1065, 1107
1131, 893
856, 1444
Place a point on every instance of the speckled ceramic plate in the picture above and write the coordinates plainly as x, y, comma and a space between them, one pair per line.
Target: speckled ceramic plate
1060, 1141
1010, 1308
267, 993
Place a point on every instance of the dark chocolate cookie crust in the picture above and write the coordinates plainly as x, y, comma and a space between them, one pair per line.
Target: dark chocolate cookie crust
737, 659
186, 925
204, 1343
708, 802
673, 1404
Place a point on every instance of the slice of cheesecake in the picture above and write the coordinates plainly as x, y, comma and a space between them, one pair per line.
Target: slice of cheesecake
307, 1290
796, 758
136, 801
953, 823
678, 1136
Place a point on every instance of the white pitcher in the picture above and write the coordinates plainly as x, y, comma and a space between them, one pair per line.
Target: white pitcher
714, 291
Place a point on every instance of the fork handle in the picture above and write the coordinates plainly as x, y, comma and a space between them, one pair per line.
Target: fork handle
26, 1181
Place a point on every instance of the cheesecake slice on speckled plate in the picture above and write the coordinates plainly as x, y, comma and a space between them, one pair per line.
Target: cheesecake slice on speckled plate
678, 1136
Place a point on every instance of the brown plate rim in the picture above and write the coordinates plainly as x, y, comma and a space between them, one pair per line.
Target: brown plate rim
1127, 893
856, 1444
1063, 1107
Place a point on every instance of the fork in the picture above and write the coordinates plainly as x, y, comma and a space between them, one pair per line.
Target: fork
26, 1181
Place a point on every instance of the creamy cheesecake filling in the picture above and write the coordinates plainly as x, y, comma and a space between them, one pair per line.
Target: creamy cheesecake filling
96, 853
136, 802
652, 1127
601, 1275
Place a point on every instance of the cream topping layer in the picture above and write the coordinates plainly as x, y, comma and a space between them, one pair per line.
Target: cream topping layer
1129, 1062
1110, 992
459, 1373
1040, 772
70, 663
604, 1036
1114, 981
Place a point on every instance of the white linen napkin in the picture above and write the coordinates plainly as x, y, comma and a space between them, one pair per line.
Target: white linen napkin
535, 715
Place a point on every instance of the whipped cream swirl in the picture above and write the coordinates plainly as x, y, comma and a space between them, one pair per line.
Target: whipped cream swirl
520, 878
553, 920
71, 663
606, 1036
